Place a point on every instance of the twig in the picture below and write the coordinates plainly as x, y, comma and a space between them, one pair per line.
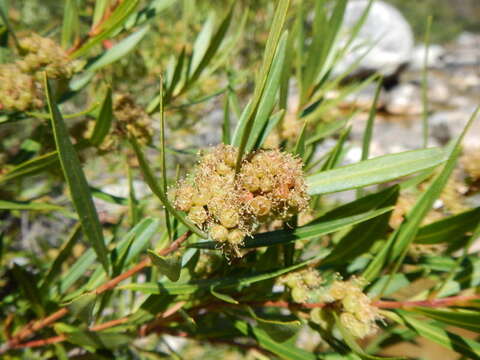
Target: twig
33, 327
156, 325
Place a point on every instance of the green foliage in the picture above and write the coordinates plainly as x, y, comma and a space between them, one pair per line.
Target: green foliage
117, 264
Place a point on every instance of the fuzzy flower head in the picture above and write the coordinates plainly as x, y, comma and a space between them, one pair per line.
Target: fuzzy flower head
18, 91
43, 54
356, 312
270, 186
301, 283
130, 120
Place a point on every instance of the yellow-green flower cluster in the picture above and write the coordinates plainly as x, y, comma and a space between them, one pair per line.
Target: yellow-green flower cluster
356, 312
130, 120
301, 283
269, 186
18, 91
44, 54
20, 87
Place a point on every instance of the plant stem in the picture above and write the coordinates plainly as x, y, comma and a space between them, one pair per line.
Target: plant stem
33, 327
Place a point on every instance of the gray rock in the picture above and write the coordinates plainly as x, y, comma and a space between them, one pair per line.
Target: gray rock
386, 28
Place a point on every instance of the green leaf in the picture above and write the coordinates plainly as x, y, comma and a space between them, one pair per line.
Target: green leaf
284, 351
70, 24
223, 297
201, 42
448, 229
54, 270
462, 318
270, 50
300, 144
367, 134
213, 47
336, 154
316, 228
99, 10
30, 167
360, 239
118, 51
226, 121
82, 307
271, 124
79, 190
108, 27
409, 228
33, 206
104, 120
28, 285
168, 266
99, 340
127, 249
159, 191
454, 342
374, 171
220, 283
267, 100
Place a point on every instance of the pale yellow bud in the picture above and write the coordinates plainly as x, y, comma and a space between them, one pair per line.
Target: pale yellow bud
219, 233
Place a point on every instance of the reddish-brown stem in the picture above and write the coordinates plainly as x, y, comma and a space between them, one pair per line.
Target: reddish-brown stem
156, 325
33, 327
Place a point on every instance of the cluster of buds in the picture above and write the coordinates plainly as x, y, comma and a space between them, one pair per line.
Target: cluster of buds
301, 283
43, 54
356, 312
18, 91
20, 87
269, 186
130, 120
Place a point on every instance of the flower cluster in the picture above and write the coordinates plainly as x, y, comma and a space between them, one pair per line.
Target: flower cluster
356, 312
20, 87
301, 283
18, 91
43, 54
130, 120
270, 186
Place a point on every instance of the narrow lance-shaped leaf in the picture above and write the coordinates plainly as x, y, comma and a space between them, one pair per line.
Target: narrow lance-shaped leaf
118, 51
457, 343
374, 171
269, 96
65, 251
71, 23
397, 246
270, 49
104, 120
168, 266
116, 19
76, 181
367, 134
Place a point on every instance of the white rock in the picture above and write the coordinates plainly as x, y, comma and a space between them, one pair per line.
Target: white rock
385, 27
435, 57
404, 99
